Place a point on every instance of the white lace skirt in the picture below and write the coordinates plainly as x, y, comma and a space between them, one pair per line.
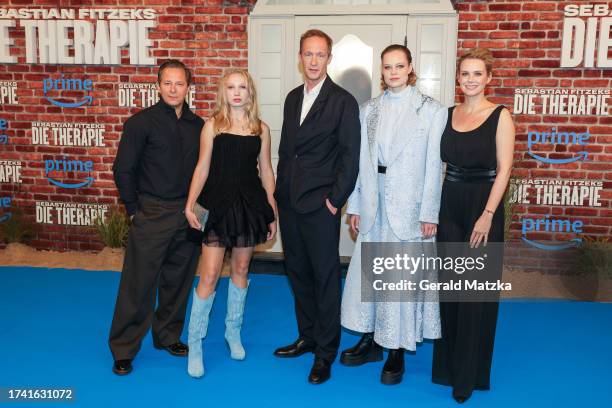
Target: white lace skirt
395, 324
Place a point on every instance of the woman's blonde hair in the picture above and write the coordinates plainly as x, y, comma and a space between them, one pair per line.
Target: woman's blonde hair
412, 77
221, 115
482, 54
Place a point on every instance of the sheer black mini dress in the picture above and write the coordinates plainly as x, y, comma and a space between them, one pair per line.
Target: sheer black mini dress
239, 212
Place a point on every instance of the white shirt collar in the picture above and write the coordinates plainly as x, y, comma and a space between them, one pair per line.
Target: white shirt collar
315, 91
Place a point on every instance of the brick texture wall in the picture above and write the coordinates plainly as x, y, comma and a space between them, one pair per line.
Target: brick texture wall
525, 39
210, 35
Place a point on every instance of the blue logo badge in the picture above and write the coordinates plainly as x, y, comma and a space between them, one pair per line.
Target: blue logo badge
65, 166
3, 127
68, 84
551, 225
5, 202
558, 138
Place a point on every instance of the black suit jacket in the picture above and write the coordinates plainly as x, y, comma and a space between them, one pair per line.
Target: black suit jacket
320, 158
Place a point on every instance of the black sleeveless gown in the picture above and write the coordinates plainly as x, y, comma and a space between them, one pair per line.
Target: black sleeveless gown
463, 356
233, 193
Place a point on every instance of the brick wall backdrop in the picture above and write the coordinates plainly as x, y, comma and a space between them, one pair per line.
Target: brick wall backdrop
525, 39
210, 35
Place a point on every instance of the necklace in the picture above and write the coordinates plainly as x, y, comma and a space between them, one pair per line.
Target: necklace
241, 124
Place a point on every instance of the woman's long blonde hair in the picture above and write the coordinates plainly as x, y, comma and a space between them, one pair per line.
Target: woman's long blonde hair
222, 108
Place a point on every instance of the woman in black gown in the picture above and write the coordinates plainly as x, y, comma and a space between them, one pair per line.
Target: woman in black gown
478, 139
234, 152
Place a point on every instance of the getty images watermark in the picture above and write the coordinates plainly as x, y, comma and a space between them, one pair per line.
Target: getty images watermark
431, 272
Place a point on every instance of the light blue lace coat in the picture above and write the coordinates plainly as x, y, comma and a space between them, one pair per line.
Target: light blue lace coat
410, 194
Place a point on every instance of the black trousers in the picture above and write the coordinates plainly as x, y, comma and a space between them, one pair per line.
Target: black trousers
312, 262
160, 262
463, 357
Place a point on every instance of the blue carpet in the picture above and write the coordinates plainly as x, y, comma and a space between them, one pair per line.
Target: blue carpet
55, 325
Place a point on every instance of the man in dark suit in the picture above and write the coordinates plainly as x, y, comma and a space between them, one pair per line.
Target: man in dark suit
317, 170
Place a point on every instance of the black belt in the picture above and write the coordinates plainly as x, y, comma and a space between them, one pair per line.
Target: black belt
454, 173
382, 169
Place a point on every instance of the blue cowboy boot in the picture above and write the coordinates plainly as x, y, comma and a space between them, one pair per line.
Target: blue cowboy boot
198, 325
233, 320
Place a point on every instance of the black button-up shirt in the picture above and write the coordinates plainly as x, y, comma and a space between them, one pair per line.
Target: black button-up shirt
157, 154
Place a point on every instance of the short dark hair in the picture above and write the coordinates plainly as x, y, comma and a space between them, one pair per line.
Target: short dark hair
317, 33
173, 63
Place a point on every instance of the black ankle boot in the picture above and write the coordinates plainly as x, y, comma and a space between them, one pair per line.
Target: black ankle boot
461, 396
393, 369
365, 351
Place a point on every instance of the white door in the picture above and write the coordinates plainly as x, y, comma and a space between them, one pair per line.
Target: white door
433, 43
358, 42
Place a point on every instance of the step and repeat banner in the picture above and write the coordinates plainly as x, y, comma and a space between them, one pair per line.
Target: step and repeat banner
70, 76
560, 191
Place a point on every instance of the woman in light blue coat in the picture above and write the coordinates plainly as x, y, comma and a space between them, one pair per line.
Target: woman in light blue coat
396, 199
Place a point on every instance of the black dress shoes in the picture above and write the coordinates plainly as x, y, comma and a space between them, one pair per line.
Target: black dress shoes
461, 397
320, 371
296, 349
176, 349
365, 351
122, 367
393, 369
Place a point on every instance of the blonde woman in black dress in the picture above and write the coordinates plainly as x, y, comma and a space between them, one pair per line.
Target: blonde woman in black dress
477, 146
234, 153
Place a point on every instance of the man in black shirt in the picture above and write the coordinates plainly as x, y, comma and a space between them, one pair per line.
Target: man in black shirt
153, 168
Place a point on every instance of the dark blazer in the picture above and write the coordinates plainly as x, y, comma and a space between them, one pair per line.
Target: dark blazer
320, 158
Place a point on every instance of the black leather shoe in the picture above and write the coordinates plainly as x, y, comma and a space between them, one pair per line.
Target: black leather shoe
461, 397
176, 349
365, 351
320, 371
122, 367
393, 369
296, 349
